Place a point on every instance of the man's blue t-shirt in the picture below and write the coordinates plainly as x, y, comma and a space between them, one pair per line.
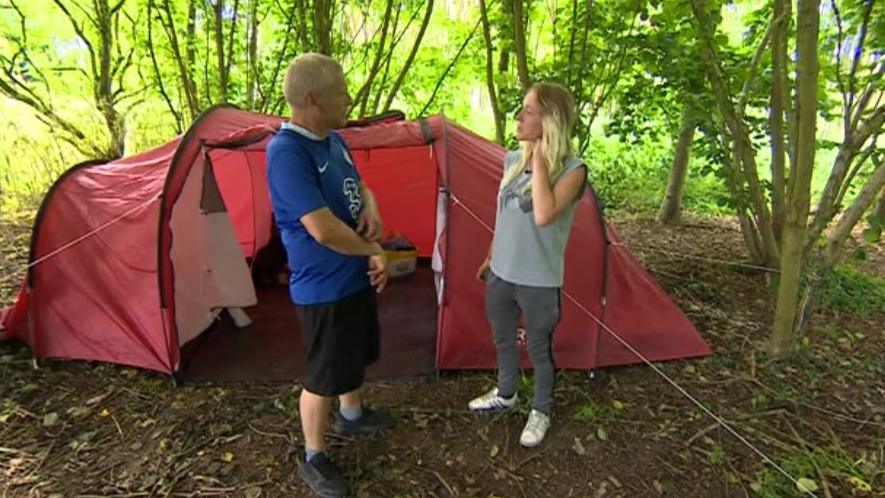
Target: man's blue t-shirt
306, 173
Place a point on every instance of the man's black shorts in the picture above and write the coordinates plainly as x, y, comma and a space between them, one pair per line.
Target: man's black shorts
340, 339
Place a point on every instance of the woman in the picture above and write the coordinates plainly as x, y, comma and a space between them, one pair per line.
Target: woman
542, 183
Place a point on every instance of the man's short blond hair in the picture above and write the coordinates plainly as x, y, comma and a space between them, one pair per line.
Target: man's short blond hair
309, 73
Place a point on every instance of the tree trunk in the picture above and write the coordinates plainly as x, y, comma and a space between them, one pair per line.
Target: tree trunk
252, 57
490, 76
362, 96
323, 26
779, 95
880, 209
522, 65
863, 201
408, 64
670, 211
854, 141
732, 181
741, 144
798, 195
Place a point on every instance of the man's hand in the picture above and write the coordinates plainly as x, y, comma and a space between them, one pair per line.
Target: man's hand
378, 271
369, 226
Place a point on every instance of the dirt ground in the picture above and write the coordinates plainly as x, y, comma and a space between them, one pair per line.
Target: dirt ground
88, 429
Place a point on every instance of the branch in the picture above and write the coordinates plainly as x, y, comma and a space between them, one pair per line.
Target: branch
78, 29
840, 38
159, 79
408, 64
754, 65
449, 67
860, 205
858, 54
362, 95
858, 164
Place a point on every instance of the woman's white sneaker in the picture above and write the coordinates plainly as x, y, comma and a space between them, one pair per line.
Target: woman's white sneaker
490, 401
535, 429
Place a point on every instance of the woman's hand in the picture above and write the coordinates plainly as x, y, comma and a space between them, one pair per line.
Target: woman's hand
539, 154
483, 270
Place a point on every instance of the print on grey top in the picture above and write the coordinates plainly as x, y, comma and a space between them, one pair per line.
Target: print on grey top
522, 252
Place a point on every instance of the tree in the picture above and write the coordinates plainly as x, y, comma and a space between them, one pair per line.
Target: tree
671, 206
799, 187
100, 27
859, 26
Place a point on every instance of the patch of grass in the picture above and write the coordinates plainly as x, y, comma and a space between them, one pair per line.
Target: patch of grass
853, 472
849, 289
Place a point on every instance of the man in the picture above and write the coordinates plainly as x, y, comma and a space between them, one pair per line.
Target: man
330, 227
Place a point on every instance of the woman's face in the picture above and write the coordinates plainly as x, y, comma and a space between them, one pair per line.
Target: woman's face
528, 127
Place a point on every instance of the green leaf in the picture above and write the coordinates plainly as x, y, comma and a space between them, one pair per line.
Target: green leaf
227, 457
601, 434
806, 485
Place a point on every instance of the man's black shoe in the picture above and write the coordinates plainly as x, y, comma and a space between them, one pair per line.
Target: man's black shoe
370, 421
322, 476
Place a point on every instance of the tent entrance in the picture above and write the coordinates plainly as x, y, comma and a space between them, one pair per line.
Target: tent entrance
270, 349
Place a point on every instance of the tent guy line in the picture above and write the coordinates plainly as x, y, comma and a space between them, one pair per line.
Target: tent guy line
615, 335
657, 370
85, 236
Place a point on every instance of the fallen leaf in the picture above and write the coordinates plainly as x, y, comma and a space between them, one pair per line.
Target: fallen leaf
50, 419
494, 452
104, 413
805, 485
617, 405
253, 492
601, 434
94, 400
579, 447
658, 486
227, 457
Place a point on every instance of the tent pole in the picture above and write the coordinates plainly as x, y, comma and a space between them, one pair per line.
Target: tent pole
31, 334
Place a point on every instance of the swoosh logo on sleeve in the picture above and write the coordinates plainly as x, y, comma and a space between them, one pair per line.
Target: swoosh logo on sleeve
322, 168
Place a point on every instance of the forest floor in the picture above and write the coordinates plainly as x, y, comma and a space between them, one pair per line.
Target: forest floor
74, 428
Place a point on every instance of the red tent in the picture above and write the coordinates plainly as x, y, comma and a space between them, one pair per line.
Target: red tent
132, 259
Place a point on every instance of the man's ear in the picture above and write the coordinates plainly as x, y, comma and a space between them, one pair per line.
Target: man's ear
310, 99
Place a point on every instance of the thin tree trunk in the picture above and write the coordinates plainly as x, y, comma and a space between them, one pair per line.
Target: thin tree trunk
827, 206
219, 50
671, 207
252, 56
490, 76
732, 181
863, 201
744, 153
408, 64
779, 94
799, 192
362, 96
323, 26
522, 66
394, 40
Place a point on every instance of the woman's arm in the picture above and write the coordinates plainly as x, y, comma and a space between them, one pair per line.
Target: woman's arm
551, 202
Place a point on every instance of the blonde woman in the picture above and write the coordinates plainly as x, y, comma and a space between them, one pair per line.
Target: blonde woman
523, 272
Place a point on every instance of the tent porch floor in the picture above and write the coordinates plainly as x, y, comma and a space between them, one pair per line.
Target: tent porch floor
270, 349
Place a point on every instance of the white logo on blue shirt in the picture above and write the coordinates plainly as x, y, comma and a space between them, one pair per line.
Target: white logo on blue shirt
322, 168
352, 191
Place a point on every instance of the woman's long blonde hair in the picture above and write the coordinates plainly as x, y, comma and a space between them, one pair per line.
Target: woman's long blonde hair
557, 122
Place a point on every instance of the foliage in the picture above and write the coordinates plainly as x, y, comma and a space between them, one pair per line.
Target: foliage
850, 290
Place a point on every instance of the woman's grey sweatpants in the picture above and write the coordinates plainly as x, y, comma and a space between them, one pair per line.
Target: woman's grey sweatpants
540, 307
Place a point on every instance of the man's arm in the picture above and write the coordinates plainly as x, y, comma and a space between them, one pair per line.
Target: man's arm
369, 225
331, 232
